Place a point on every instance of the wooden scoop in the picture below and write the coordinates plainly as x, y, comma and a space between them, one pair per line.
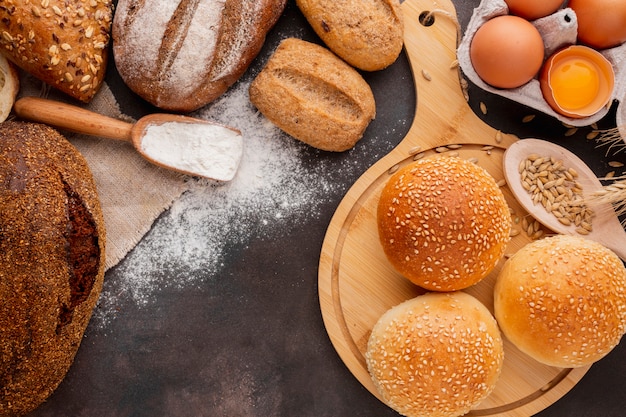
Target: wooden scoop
184, 144
607, 228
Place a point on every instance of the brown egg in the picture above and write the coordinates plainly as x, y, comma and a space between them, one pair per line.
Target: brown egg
507, 51
533, 9
601, 23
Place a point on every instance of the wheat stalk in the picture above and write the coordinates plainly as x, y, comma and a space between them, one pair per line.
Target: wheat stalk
613, 194
612, 138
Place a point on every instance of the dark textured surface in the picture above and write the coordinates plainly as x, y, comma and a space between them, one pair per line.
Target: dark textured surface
251, 342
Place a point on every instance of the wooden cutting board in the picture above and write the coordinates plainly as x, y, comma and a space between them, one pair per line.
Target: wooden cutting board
356, 282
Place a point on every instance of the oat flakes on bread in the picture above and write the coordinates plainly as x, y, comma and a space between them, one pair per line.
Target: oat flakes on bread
52, 248
62, 43
562, 300
443, 223
180, 56
436, 355
369, 35
314, 96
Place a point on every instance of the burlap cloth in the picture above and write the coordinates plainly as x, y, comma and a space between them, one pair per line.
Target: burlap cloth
133, 192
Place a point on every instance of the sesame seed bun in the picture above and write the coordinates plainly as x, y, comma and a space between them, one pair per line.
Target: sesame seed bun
443, 223
562, 300
436, 355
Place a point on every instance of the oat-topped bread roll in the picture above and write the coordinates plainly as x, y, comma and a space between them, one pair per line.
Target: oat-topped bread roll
314, 96
368, 35
60, 42
181, 55
51, 261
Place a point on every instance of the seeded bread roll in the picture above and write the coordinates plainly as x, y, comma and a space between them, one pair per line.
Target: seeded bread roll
562, 300
51, 261
436, 355
443, 223
62, 43
314, 96
181, 55
366, 34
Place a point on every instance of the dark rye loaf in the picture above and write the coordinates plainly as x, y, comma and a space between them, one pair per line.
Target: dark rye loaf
52, 241
182, 55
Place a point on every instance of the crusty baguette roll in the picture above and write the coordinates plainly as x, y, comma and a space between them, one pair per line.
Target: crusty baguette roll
62, 43
443, 223
436, 355
368, 35
180, 56
314, 96
51, 261
562, 300
9, 87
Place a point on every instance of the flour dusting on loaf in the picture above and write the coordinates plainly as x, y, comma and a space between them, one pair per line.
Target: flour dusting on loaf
180, 56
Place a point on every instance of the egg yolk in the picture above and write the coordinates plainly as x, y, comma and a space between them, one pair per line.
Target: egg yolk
575, 83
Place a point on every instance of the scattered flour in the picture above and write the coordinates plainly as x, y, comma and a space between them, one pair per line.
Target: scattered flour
272, 186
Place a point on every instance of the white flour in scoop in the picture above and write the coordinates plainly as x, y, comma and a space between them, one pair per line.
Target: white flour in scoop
205, 149
272, 188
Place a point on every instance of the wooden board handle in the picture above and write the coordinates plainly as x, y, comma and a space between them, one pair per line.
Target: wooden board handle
72, 118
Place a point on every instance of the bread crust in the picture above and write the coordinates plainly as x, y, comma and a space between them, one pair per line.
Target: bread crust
9, 87
443, 223
436, 355
562, 300
180, 56
314, 96
52, 246
369, 35
62, 43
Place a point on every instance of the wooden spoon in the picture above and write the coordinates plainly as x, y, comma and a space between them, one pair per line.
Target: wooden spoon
607, 228
184, 144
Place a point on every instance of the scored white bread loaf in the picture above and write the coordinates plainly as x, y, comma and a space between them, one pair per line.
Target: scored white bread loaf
62, 43
182, 55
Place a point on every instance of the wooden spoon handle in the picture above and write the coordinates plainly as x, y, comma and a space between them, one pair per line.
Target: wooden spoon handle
72, 118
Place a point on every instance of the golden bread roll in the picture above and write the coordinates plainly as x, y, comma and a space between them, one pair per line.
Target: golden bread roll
443, 223
51, 261
314, 96
368, 35
62, 43
9, 87
180, 56
562, 300
436, 355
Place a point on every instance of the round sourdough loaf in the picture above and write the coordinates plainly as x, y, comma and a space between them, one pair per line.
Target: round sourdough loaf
63, 43
314, 96
368, 35
443, 223
52, 241
436, 355
562, 300
181, 55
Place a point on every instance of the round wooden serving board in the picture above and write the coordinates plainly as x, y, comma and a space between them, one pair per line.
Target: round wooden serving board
356, 282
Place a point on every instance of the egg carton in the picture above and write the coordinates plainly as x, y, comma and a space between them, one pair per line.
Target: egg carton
557, 30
